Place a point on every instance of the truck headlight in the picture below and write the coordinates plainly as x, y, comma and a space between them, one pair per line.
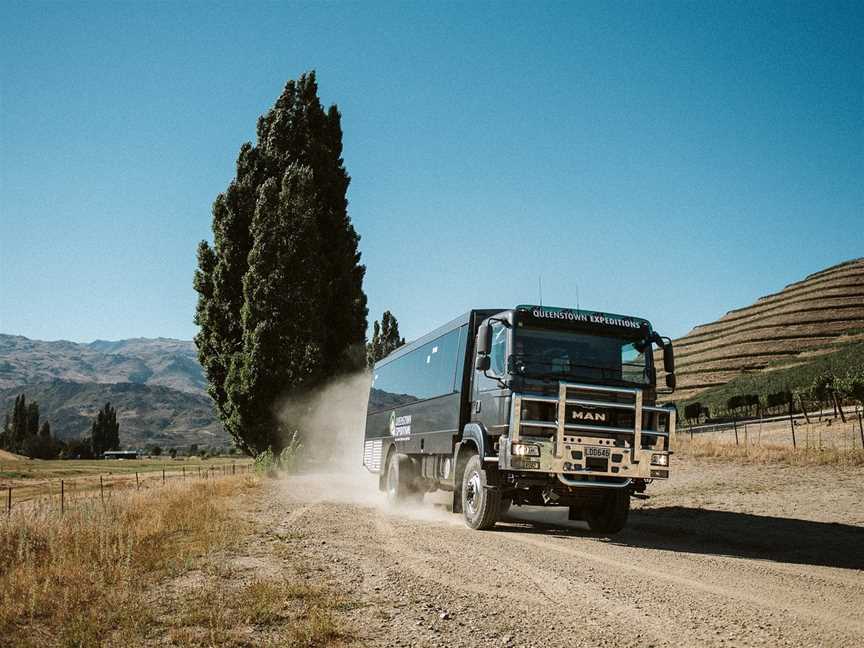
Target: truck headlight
659, 460
525, 450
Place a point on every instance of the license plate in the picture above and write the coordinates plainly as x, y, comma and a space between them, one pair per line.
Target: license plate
596, 451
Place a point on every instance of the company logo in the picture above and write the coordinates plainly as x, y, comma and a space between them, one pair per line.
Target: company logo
588, 415
400, 426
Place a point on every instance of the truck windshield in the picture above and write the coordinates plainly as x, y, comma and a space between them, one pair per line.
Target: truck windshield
542, 353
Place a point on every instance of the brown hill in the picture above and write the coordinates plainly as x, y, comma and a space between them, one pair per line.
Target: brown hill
806, 318
8, 456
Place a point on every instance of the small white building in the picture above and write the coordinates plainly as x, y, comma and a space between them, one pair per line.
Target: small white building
120, 454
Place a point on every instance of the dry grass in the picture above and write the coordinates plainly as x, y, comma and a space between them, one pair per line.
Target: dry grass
152, 567
716, 446
80, 580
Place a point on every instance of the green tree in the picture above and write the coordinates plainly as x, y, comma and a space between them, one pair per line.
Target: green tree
5, 433
173, 452
385, 339
21, 427
20, 422
45, 430
105, 431
32, 419
280, 300
156, 451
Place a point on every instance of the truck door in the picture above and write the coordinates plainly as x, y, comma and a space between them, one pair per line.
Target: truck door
491, 401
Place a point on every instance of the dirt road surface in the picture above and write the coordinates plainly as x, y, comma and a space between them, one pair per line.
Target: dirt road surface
722, 555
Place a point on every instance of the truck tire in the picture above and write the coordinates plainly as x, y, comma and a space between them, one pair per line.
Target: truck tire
480, 505
400, 480
611, 515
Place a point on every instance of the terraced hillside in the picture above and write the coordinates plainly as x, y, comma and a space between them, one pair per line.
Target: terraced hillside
805, 319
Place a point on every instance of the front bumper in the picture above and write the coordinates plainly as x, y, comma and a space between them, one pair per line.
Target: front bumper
582, 453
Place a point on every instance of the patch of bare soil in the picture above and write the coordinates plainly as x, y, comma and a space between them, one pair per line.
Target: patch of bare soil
721, 555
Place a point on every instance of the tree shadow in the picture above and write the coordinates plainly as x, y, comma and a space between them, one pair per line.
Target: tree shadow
721, 533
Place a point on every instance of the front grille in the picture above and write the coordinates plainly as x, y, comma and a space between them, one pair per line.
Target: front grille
593, 414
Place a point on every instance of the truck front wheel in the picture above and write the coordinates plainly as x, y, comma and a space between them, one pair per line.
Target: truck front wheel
610, 515
480, 505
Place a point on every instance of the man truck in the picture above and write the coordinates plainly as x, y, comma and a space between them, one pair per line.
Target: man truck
533, 405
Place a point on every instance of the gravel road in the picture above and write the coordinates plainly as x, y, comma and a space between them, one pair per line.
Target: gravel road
722, 555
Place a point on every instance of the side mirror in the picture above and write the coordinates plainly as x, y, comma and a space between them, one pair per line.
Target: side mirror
670, 381
484, 340
668, 358
482, 363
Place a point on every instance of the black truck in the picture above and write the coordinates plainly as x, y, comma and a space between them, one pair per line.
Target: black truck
531, 406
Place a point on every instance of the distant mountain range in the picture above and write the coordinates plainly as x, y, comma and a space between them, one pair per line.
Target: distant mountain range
144, 361
156, 385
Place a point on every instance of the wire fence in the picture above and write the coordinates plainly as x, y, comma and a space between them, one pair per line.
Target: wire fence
820, 430
63, 492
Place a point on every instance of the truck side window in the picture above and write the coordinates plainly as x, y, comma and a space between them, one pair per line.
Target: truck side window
499, 349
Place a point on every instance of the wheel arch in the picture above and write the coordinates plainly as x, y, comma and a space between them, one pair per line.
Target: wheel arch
475, 440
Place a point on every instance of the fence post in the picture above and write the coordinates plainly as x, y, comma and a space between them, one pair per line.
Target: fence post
233, 468
199, 472
102, 490
9, 502
137, 483
860, 425
792, 426
183, 468
803, 408
62, 498
163, 475
735, 426
839, 405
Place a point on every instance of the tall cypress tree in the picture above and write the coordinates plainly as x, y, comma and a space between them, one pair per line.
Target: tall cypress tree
32, 419
20, 422
280, 299
105, 431
385, 338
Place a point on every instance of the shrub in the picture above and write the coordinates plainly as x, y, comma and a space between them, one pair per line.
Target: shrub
289, 457
269, 464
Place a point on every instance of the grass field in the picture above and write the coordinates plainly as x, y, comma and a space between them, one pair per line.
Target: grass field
36, 478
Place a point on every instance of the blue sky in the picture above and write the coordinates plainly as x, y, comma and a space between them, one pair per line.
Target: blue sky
663, 159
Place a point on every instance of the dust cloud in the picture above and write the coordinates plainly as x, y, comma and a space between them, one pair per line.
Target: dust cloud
331, 423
